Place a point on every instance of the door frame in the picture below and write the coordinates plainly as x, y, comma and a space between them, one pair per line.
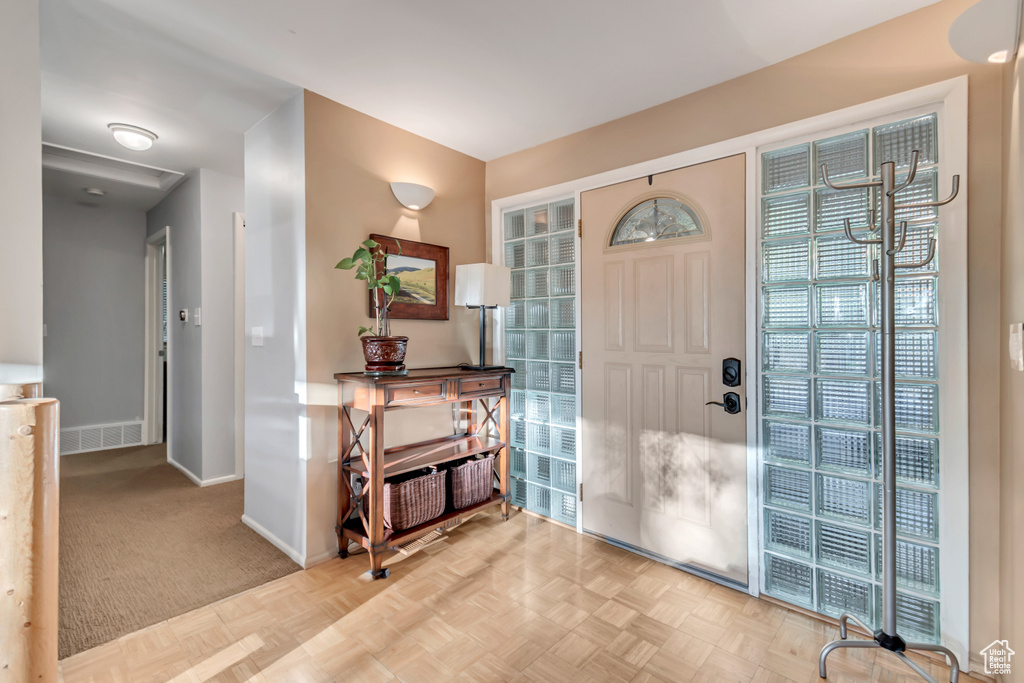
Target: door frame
238, 234
152, 420
952, 96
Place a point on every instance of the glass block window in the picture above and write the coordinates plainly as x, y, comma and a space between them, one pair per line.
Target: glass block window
819, 361
657, 219
541, 345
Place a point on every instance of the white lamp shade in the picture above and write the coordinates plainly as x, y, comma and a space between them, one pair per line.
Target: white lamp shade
413, 196
987, 32
483, 284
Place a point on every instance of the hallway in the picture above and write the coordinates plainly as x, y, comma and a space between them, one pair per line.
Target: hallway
140, 543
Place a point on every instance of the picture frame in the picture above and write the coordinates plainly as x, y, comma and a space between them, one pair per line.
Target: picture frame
426, 297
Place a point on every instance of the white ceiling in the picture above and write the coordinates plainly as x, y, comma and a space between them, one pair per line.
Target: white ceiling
69, 173
485, 77
102, 66
71, 187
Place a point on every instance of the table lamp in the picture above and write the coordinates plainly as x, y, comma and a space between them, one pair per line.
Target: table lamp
483, 286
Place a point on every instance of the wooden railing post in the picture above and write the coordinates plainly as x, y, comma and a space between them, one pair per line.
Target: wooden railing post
29, 448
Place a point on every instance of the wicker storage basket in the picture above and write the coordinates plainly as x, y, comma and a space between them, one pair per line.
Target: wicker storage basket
472, 482
413, 502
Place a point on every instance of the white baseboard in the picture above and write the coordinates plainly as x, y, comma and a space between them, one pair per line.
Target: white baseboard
195, 480
202, 482
220, 480
277, 542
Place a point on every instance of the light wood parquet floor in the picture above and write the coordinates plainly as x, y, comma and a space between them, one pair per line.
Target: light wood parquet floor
521, 601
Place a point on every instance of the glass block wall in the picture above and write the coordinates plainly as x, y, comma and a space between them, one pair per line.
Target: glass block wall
819, 354
540, 344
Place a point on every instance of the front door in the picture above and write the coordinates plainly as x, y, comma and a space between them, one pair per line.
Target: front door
663, 305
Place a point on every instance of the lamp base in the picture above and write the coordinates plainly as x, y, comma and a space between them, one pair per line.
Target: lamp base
480, 368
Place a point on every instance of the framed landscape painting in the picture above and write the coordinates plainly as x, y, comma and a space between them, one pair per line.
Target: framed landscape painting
423, 272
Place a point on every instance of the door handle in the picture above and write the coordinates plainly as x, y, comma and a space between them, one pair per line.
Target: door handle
730, 402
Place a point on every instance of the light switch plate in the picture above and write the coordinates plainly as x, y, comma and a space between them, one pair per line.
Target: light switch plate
183, 315
1017, 346
257, 336
197, 318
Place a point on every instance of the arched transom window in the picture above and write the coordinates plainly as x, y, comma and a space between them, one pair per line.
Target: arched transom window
660, 218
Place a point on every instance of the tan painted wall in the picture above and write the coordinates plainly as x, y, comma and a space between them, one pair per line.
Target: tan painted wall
1012, 381
350, 160
899, 55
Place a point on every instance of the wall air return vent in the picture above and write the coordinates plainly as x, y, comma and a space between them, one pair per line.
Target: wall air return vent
100, 437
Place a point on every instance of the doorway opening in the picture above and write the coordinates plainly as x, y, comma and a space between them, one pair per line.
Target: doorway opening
157, 360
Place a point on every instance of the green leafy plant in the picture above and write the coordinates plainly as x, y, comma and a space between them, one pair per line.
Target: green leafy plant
369, 260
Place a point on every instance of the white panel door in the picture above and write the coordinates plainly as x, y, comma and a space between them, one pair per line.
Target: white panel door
662, 471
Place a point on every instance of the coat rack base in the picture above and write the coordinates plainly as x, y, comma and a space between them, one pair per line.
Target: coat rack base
891, 643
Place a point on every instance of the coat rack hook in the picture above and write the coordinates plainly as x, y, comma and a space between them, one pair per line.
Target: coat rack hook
847, 186
923, 262
903, 239
911, 174
928, 205
849, 234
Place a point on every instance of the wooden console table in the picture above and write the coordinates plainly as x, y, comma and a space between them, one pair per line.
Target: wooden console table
486, 432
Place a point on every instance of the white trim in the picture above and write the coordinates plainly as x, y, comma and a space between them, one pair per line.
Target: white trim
152, 397
220, 480
202, 482
184, 470
577, 215
172, 331
238, 220
291, 552
954, 493
752, 394
952, 95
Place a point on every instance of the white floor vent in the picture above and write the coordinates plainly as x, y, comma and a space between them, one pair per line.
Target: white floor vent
100, 437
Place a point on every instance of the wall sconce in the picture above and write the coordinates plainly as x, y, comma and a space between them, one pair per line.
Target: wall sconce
413, 196
987, 32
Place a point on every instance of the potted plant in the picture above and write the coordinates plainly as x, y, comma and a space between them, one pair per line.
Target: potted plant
383, 353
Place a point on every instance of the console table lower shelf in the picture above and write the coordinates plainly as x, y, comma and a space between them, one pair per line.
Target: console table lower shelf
353, 528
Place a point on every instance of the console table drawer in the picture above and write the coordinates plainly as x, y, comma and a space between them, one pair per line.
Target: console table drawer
481, 386
411, 394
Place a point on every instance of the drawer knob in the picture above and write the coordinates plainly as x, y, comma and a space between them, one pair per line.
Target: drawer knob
415, 391
481, 383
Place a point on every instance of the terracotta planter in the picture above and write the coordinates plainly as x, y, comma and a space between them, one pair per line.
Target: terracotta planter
384, 354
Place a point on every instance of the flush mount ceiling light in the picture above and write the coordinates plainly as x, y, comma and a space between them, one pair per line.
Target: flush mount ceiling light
94, 192
987, 32
413, 196
132, 137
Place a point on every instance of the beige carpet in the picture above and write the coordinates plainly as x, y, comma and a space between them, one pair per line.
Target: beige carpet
140, 543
